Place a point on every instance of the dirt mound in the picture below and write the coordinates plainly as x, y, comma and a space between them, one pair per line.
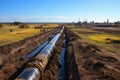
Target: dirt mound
89, 62
52, 69
11, 56
115, 41
83, 32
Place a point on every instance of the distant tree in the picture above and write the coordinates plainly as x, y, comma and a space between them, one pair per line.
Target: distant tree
79, 23
85, 22
118, 22
16, 23
1, 25
92, 22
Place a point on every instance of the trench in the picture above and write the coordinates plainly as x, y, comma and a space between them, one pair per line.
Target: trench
40, 61
62, 75
28, 57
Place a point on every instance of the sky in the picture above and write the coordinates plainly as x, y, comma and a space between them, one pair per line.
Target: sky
59, 10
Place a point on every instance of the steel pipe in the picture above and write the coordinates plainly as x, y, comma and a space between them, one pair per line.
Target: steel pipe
37, 50
30, 73
38, 64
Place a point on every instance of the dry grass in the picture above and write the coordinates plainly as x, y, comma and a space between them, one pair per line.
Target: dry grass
99, 38
46, 26
102, 38
7, 37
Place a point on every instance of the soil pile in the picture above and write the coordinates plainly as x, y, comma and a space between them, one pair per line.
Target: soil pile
12, 55
89, 62
52, 69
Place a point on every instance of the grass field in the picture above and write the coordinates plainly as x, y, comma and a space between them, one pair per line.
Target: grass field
7, 37
99, 38
103, 38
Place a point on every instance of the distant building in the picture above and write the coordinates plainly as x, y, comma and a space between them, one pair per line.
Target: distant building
107, 25
103, 25
107, 21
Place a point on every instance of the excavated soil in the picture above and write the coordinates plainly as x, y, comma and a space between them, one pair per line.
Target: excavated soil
83, 61
89, 62
52, 69
11, 55
83, 32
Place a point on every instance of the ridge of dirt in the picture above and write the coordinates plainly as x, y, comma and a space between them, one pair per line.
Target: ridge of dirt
71, 66
52, 69
86, 61
11, 54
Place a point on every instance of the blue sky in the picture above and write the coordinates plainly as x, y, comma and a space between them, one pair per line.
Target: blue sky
59, 10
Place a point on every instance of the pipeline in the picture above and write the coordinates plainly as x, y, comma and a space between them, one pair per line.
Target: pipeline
37, 65
37, 50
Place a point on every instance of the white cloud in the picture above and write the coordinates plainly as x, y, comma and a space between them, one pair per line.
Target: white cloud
38, 18
60, 17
